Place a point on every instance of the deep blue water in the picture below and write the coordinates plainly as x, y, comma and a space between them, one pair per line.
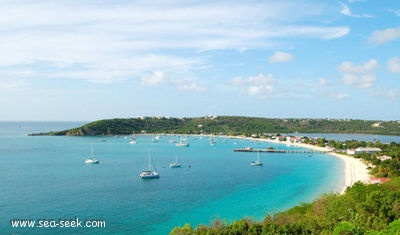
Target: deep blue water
45, 177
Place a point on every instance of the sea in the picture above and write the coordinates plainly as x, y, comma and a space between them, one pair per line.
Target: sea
44, 179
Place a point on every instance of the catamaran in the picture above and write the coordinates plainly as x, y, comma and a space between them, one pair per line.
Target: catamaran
151, 173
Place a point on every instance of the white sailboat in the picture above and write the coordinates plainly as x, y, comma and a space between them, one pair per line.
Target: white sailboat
212, 141
150, 173
257, 162
133, 139
182, 143
175, 164
91, 159
155, 138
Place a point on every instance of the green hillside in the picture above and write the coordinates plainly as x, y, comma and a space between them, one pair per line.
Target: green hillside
230, 125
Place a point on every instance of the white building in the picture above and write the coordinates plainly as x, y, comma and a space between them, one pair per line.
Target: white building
384, 157
369, 150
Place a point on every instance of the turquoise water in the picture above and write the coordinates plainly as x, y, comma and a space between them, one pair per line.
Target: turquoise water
46, 178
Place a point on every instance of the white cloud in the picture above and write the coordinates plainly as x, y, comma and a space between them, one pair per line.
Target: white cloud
347, 12
392, 94
188, 86
121, 40
260, 85
393, 65
14, 84
360, 81
360, 76
367, 67
155, 78
279, 57
322, 81
340, 96
310, 32
384, 36
172, 79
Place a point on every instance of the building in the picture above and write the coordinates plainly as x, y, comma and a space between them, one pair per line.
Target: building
384, 157
358, 150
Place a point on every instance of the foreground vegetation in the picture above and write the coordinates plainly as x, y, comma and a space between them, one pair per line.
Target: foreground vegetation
230, 125
364, 209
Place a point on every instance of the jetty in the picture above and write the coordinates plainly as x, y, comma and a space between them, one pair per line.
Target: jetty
272, 150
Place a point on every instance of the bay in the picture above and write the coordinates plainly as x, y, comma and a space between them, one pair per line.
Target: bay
45, 177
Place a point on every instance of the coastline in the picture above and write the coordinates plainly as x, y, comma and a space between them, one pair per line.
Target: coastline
354, 168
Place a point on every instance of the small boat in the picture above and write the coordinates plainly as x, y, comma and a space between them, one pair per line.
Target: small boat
256, 162
150, 173
155, 138
212, 141
175, 164
182, 143
133, 139
91, 159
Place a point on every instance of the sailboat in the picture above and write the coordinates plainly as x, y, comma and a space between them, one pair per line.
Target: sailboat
91, 159
175, 164
155, 138
257, 162
182, 143
150, 174
212, 141
133, 139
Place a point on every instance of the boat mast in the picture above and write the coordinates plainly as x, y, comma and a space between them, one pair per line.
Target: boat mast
91, 153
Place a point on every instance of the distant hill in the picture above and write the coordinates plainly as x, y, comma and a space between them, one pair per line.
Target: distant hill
229, 125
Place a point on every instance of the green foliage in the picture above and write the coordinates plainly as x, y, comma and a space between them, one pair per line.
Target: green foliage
347, 228
393, 229
230, 125
185, 230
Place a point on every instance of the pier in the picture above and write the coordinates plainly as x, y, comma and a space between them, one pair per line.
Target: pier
272, 150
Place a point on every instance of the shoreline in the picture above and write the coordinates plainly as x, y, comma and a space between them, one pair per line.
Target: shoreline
354, 168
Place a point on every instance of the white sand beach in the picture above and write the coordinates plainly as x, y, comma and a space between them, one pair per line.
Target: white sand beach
355, 169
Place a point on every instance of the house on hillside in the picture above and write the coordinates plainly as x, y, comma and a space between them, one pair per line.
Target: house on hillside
384, 157
376, 180
369, 150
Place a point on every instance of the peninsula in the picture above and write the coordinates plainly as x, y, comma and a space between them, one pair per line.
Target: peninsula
229, 125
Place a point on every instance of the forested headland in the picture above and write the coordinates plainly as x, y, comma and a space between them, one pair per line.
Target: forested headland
229, 125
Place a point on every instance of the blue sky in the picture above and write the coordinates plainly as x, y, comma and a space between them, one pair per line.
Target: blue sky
89, 60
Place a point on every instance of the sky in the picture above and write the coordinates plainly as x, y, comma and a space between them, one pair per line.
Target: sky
77, 60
